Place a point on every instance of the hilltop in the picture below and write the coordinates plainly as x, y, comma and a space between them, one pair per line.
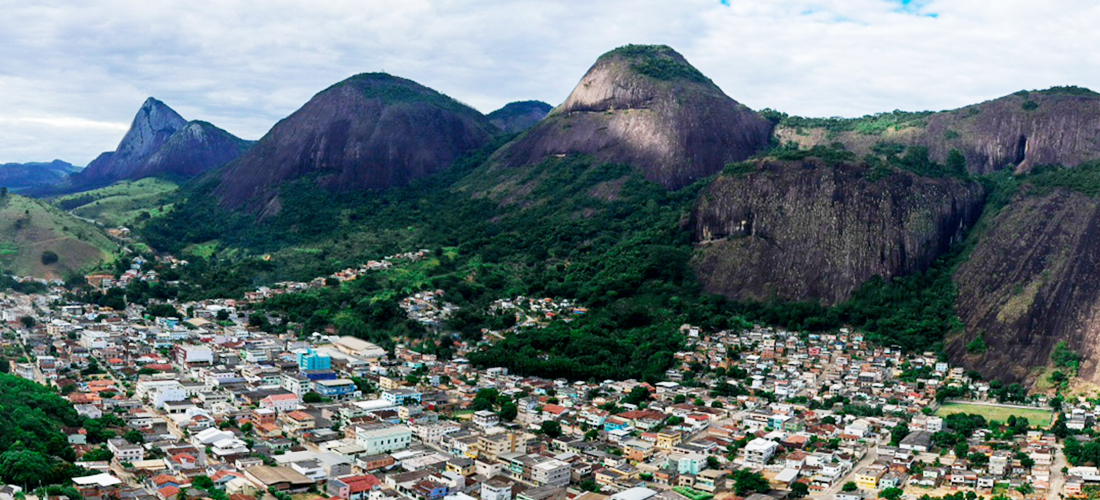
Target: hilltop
645, 106
370, 132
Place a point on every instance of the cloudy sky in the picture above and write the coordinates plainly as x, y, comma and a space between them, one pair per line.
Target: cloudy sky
72, 74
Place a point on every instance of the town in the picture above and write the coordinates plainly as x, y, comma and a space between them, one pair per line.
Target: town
199, 403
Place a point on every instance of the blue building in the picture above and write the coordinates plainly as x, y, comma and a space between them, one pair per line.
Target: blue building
310, 360
338, 389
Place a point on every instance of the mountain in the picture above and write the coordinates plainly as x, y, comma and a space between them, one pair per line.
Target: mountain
646, 106
1023, 130
161, 142
372, 131
30, 229
516, 117
16, 176
807, 231
652, 199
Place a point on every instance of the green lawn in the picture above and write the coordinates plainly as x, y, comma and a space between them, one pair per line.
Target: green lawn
693, 494
1034, 416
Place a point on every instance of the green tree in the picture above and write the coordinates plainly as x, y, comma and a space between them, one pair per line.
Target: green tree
898, 433
312, 397
25, 467
799, 490
891, 493
203, 482
849, 487
976, 346
508, 412
551, 428
747, 482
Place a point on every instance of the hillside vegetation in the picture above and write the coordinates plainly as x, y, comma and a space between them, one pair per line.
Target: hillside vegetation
37, 239
122, 203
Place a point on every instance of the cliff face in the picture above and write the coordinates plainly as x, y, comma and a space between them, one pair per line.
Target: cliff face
1022, 130
647, 107
161, 142
372, 131
1031, 281
803, 231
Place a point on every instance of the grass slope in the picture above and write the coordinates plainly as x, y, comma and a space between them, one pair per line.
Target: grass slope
30, 227
121, 203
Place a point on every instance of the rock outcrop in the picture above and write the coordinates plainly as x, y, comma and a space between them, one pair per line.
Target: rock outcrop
1023, 130
804, 231
647, 107
516, 117
371, 131
161, 142
1032, 280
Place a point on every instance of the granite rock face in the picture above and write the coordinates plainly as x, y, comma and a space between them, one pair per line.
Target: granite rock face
1032, 280
804, 231
371, 131
647, 107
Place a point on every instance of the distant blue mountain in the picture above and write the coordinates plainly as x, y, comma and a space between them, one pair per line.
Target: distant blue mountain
17, 176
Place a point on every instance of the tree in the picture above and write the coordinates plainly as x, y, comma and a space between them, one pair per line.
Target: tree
49, 257
712, 462
592, 435
134, 436
976, 346
312, 397
203, 482
25, 467
891, 493
637, 395
799, 490
27, 321
849, 487
898, 433
747, 482
223, 315
679, 399
956, 162
1025, 489
551, 428
508, 412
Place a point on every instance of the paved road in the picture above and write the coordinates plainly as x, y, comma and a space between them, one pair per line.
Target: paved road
1057, 479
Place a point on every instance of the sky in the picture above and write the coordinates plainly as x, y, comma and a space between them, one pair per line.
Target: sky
72, 74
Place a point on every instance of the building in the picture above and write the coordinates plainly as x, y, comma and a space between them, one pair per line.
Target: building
159, 392
759, 451
353, 487
383, 439
124, 451
280, 402
496, 489
338, 389
486, 419
311, 360
193, 355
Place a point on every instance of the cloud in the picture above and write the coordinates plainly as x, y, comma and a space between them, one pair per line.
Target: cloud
73, 73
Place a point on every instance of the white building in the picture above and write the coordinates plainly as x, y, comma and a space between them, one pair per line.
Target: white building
486, 419
158, 392
383, 439
759, 451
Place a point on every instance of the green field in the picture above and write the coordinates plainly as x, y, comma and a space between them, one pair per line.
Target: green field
122, 203
1034, 416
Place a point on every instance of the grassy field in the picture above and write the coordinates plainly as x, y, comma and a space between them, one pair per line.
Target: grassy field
29, 228
122, 203
1034, 416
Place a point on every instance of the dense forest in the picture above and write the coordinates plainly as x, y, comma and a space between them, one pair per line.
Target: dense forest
36, 452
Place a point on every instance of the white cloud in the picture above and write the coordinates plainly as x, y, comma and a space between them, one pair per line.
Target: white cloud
72, 73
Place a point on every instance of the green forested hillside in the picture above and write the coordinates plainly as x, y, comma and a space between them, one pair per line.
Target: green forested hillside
569, 228
35, 451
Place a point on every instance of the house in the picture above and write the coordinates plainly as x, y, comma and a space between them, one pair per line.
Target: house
280, 402
353, 487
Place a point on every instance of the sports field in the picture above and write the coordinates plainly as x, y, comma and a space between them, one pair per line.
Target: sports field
1035, 416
